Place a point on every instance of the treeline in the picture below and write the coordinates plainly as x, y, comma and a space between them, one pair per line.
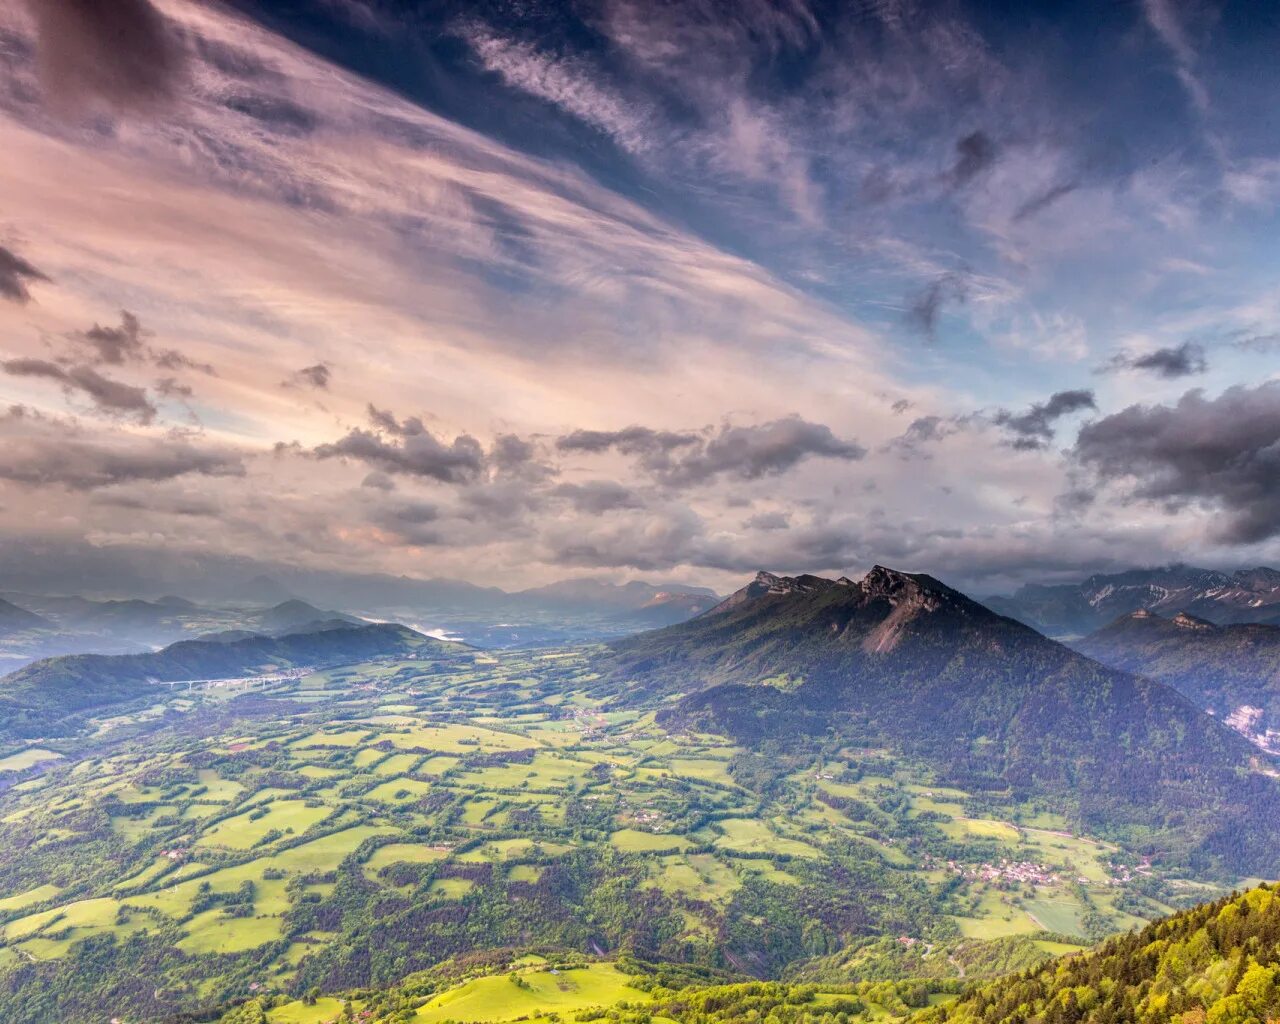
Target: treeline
1216, 964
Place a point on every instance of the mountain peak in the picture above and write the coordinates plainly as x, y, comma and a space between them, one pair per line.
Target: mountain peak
1183, 620
882, 581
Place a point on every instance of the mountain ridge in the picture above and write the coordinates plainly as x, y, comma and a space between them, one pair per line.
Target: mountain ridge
1244, 595
47, 694
986, 699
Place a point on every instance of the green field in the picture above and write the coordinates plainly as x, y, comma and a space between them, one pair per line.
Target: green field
491, 800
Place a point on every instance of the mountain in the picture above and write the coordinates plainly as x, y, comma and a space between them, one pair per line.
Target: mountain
597, 594
37, 700
18, 620
294, 614
261, 589
902, 659
1234, 670
1218, 962
1247, 595
666, 608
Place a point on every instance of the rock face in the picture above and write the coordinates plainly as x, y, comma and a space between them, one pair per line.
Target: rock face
903, 660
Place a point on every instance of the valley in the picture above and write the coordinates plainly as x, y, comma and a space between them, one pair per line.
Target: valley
349, 827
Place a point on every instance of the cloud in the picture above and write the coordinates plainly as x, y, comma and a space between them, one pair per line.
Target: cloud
922, 431
412, 522
595, 496
924, 311
172, 359
1171, 362
108, 396
1222, 453
681, 459
1164, 21
413, 454
1044, 200
316, 377
768, 521
121, 54
40, 451
769, 449
975, 153
15, 275
569, 84
1034, 428
115, 345
388, 424
649, 540
512, 457
636, 440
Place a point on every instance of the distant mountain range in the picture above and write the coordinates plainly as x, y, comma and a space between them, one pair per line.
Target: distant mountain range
903, 660
1232, 670
34, 626
44, 698
1073, 609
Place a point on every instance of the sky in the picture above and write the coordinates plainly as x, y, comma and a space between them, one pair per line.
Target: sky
514, 291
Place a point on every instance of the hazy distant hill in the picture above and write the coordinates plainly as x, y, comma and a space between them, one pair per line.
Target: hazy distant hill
36, 699
1248, 595
1234, 670
17, 620
906, 660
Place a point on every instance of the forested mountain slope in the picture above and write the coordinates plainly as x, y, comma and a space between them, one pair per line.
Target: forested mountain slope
903, 659
1216, 964
1233, 670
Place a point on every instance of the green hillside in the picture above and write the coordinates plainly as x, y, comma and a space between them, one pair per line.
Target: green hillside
1218, 667
44, 698
1216, 964
905, 661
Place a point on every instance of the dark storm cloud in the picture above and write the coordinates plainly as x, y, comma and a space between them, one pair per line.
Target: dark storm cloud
690, 458
1033, 429
975, 153
1173, 362
109, 396
1222, 452
40, 451
594, 496
118, 53
416, 454
925, 308
15, 275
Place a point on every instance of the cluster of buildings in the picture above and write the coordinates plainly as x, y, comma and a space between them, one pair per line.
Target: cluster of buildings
1019, 872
